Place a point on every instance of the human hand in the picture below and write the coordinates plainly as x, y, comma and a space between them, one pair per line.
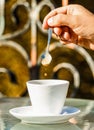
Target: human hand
72, 24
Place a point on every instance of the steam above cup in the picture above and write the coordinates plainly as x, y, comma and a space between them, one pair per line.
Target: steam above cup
47, 96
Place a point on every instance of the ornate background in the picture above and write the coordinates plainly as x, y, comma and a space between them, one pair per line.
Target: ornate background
22, 41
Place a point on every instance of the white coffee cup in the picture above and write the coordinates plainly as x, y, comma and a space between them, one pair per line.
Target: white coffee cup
47, 96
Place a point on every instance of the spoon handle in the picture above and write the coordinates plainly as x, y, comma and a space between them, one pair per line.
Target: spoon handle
49, 38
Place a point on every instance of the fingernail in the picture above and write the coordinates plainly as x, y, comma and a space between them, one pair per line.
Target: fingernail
50, 21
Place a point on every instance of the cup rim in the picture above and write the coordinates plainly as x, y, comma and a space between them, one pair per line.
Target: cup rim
45, 81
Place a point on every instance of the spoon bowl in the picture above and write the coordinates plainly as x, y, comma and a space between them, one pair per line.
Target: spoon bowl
46, 57
47, 60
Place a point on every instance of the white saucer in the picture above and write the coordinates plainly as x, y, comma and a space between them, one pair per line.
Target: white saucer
26, 115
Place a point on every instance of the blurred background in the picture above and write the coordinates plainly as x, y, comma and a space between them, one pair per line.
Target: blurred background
22, 41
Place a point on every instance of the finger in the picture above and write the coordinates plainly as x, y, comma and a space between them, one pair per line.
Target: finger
65, 37
62, 20
66, 33
62, 32
57, 30
73, 36
53, 13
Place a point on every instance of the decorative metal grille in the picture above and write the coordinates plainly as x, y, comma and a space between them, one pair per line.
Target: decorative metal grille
69, 61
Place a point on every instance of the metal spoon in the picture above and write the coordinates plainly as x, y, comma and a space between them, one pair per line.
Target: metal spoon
46, 57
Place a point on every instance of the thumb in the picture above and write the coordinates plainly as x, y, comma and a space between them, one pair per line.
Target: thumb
62, 20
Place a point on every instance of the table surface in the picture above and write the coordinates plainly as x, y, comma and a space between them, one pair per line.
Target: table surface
83, 121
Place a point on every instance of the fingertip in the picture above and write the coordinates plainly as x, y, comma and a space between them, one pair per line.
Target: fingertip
66, 35
57, 31
45, 25
50, 21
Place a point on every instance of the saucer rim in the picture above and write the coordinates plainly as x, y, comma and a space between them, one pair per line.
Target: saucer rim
49, 115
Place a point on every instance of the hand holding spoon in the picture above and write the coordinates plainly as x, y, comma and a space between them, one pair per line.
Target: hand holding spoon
46, 57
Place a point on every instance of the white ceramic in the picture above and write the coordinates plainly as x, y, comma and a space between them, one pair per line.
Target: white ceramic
27, 116
47, 96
